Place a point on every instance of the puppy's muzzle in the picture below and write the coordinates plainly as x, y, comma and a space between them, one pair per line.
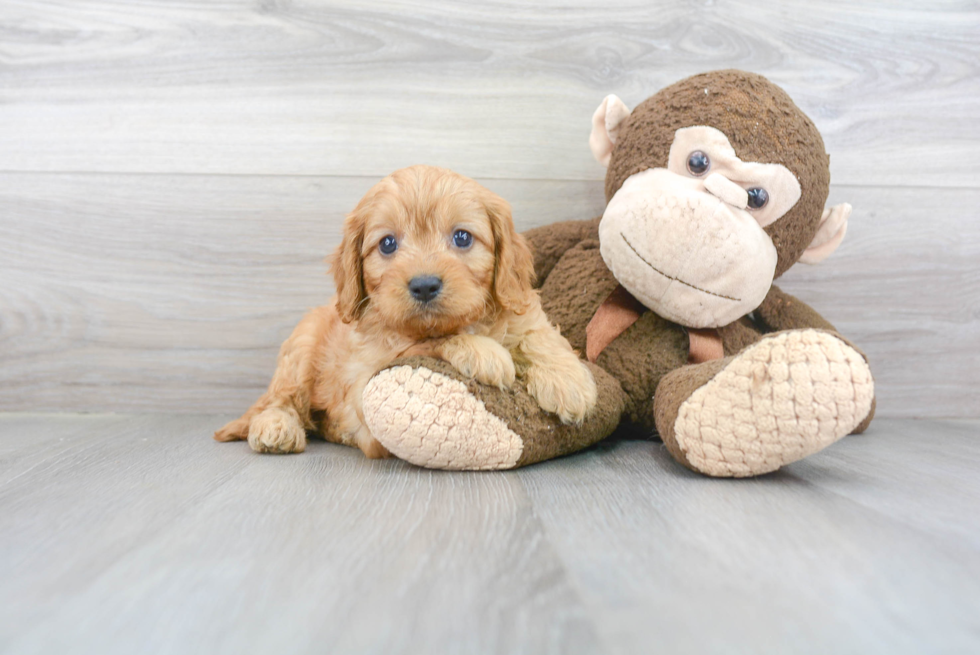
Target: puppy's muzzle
425, 287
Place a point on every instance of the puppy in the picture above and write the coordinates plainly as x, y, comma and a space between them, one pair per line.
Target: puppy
430, 264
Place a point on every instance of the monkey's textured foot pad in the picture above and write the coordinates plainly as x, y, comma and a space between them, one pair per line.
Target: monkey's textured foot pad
778, 401
426, 412
431, 420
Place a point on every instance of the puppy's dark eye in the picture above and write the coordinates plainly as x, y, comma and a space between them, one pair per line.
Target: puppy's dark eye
388, 245
698, 163
757, 198
462, 239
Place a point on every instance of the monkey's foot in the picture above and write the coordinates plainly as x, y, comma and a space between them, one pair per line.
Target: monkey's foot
427, 413
782, 399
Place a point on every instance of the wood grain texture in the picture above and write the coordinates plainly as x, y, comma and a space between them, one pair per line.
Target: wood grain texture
168, 542
173, 293
814, 558
905, 286
937, 494
494, 89
140, 534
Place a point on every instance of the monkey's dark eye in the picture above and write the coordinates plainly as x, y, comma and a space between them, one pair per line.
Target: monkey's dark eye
388, 245
462, 239
698, 163
757, 198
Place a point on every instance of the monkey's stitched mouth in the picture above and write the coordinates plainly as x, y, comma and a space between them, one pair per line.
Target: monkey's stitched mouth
672, 278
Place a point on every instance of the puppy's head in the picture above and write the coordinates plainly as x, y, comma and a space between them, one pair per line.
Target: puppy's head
430, 251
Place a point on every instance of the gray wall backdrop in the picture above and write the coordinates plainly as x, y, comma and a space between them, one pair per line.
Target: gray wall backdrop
172, 174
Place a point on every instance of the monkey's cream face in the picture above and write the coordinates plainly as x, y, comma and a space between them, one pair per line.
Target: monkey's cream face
687, 240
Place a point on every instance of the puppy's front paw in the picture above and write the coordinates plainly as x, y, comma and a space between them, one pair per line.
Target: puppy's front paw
568, 391
482, 359
277, 430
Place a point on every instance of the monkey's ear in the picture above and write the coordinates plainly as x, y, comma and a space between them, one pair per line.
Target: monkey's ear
833, 227
605, 127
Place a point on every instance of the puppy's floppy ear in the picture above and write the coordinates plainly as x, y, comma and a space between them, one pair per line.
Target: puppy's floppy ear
347, 269
513, 274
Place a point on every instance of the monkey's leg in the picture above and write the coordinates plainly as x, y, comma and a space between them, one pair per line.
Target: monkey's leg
781, 399
425, 412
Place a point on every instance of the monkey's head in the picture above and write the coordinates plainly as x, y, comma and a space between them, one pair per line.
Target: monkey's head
715, 186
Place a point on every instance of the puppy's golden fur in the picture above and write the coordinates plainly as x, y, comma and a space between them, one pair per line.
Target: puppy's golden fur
485, 315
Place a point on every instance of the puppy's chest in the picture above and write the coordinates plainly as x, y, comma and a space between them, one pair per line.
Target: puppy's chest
348, 363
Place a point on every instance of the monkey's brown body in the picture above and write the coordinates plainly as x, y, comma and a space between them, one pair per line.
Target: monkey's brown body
575, 283
787, 385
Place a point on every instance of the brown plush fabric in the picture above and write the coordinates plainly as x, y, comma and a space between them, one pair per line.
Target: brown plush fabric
555, 239
673, 390
867, 420
737, 336
640, 356
543, 434
614, 316
781, 311
761, 122
579, 282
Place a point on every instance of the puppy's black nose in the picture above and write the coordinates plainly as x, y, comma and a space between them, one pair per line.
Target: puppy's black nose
425, 287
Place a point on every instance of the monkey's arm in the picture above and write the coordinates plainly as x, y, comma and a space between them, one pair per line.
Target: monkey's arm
781, 311
549, 242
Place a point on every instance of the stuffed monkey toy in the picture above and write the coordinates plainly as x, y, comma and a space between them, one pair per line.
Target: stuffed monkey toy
715, 187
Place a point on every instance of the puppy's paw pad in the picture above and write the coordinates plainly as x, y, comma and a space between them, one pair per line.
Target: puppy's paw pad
496, 371
488, 362
277, 430
571, 394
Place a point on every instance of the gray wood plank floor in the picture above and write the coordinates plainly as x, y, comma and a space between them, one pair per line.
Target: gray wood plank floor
138, 534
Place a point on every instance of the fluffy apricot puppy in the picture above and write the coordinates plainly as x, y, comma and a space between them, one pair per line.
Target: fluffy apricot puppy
430, 264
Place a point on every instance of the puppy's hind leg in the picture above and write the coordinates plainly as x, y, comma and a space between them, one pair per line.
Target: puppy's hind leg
278, 420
